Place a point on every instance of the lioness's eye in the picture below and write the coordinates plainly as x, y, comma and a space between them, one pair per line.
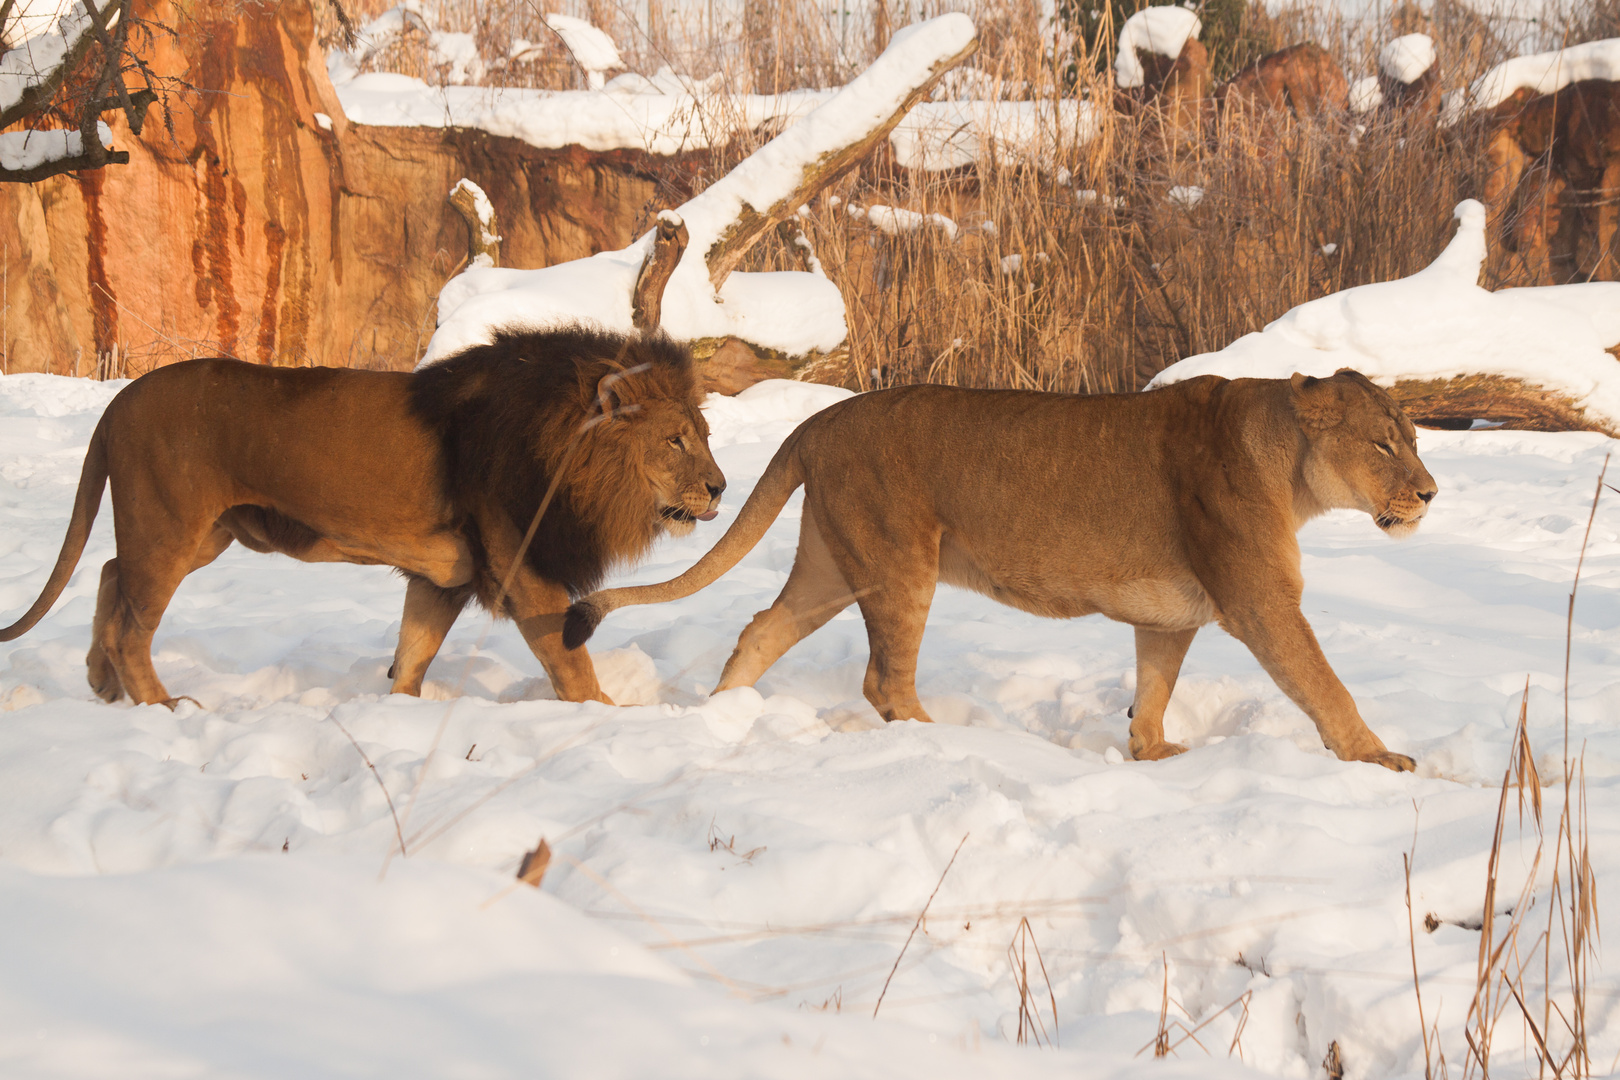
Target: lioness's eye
677, 442
1386, 449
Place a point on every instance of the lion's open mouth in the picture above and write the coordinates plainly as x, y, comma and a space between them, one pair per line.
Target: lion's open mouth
685, 516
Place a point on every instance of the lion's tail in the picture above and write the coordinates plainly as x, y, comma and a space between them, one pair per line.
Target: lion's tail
92, 482
782, 478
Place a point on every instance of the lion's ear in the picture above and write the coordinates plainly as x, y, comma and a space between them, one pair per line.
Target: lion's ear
615, 393
1302, 382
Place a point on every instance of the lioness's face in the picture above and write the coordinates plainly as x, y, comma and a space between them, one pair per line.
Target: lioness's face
685, 480
1363, 451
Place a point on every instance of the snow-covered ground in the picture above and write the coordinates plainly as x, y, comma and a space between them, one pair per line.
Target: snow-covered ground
197, 892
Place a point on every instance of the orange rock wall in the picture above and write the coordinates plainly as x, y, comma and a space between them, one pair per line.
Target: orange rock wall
253, 232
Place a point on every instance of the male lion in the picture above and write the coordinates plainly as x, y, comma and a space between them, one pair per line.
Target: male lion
439, 473
1166, 510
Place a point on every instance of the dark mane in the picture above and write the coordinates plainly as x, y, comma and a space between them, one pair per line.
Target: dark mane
505, 414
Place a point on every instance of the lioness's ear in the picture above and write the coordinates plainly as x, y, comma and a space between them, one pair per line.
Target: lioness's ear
1315, 403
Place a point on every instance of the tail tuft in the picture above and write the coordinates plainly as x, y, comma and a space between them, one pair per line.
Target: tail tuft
580, 623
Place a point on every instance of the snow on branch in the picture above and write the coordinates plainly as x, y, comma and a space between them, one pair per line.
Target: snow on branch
48, 50
50, 71
696, 249
30, 156
1447, 349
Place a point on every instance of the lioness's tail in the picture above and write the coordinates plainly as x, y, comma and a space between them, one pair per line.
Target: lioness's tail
782, 477
92, 482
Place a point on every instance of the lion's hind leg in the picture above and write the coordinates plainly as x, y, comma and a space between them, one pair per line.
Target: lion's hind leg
814, 593
103, 675
430, 612
1159, 654
141, 587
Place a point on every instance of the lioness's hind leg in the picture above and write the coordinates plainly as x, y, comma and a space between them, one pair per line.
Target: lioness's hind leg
1159, 654
103, 676
895, 602
814, 593
430, 612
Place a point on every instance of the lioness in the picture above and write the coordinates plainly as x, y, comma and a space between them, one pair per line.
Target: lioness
439, 473
1166, 510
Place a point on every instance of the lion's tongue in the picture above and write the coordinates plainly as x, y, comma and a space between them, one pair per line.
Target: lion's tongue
708, 515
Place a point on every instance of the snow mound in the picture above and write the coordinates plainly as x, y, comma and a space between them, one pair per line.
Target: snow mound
1543, 73
794, 313
898, 221
1365, 94
1406, 58
593, 50
940, 135
1439, 324
1162, 30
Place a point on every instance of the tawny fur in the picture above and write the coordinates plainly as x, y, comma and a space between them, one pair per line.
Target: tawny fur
438, 473
1166, 510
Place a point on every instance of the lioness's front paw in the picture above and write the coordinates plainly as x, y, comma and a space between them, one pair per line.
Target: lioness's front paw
1389, 760
1158, 751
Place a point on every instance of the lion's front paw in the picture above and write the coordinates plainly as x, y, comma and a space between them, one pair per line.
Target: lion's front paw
1389, 760
1156, 752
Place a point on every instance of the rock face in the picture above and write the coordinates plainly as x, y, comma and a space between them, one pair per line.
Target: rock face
1555, 166
260, 232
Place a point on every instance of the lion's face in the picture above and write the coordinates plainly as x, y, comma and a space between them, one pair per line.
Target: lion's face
1363, 451
685, 481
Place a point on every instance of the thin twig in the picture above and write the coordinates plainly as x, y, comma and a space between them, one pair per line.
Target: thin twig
920, 915
398, 831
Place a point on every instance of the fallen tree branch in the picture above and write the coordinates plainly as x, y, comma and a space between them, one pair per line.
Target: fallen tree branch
483, 236
728, 249
1511, 402
646, 302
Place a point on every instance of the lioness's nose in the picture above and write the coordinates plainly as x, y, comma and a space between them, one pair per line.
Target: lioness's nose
1426, 495
715, 490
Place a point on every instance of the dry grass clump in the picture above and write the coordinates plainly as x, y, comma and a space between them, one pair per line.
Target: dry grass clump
1095, 275
1539, 974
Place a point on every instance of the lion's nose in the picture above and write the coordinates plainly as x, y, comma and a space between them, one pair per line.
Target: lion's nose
1426, 495
715, 490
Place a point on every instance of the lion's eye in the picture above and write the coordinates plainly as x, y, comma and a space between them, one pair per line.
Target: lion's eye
677, 442
1386, 449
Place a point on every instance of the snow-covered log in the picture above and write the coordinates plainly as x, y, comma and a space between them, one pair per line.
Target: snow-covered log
794, 315
1449, 350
